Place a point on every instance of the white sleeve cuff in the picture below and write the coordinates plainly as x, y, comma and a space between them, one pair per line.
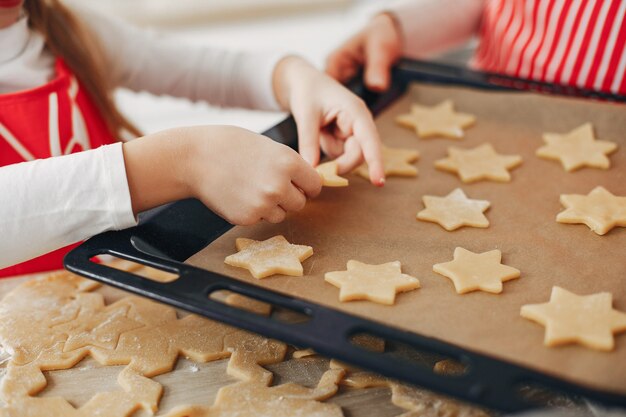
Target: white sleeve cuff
115, 185
260, 76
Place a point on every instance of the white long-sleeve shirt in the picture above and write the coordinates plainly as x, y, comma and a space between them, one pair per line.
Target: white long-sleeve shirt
50, 203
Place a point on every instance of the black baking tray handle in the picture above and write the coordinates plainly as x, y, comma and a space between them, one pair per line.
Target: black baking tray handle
488, 381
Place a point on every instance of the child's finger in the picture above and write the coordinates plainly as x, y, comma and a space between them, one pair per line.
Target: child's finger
275, 215
308, 126
366, 135
293, 199
378, 62
306, 178
330, 145
351, 158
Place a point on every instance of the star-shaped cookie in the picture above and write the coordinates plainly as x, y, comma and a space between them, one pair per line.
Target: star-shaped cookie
480, 163
570, 318
268, 257
471, 271
439, 120
377, 283
328, 173
397, 161
600, 210
577, 149
454, 210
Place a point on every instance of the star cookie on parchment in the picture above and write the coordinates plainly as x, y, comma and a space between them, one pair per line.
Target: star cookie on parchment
577, 149
570, 318
600, 210
377, 283
268, 257
480, 163
439, 120
454, 210
328, 173
396, 161
471, 271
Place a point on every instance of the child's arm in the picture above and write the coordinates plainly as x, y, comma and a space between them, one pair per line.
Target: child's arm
242, 176
412, 28
328, 116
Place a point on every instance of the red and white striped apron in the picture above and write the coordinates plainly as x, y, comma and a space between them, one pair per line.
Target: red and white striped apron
572, 42
57, 118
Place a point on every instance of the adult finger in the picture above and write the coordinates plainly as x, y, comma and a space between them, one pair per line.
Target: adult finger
379, 57
344, 62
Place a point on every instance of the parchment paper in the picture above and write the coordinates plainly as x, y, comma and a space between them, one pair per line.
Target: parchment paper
378, 225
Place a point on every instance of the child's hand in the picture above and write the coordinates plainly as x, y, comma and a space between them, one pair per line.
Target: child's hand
376, 48
329, 117
240, 175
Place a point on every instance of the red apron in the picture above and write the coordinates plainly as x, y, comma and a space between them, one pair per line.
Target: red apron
57, 118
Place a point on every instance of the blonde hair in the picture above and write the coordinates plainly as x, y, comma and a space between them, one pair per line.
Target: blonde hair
67, 38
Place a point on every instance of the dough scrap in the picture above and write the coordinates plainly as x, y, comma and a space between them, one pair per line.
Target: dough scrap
600, 210
577, 149
256, 399
303, 353
364, 341
479, 163
449, 367
377, 283
439, 120
328, 173
589, 320
250, 304
396, 161
416, 401
471, 271
137, 393
454, 211
269, 257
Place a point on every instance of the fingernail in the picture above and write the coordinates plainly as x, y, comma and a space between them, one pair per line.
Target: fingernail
381, 182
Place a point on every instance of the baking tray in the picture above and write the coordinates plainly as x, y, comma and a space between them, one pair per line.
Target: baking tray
167, 236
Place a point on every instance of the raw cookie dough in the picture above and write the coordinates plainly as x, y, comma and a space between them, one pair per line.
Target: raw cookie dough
362, 340
52, 324
570, 318
439, 120
377, 283
250, 304
259, 400
328, 173
471, 271
396, 161
480, 163
418, 402
268, 257
454, 210
366, 342
600, 210
577, 149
